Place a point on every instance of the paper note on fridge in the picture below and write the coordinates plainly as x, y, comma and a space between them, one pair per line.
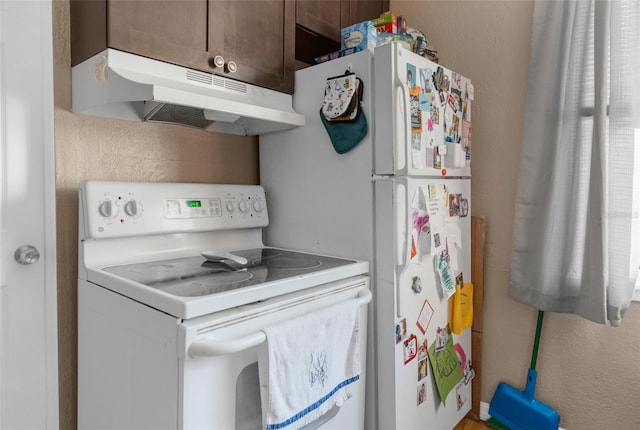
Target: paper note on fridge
445, 274
445, 367
421, 231
462, 308
454, 243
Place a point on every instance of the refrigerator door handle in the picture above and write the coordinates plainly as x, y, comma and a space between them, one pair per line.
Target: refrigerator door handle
403, 235
402, 134
402, 224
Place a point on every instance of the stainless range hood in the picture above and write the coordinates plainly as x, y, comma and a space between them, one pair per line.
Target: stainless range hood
120, 85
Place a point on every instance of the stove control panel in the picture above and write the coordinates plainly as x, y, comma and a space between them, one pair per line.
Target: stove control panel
192, 208
119, 209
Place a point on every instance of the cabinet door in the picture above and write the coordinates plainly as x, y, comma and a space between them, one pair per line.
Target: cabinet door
329, 17
319, 23
258, 36
320, 16
354, 11
174, 31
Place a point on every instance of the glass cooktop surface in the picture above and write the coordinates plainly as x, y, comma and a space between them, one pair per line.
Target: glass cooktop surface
196, 276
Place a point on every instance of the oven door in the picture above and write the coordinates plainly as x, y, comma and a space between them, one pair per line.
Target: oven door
219, 374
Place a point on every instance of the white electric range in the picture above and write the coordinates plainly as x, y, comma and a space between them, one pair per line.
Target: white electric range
175, 285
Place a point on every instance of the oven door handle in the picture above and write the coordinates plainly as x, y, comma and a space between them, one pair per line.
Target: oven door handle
214, 347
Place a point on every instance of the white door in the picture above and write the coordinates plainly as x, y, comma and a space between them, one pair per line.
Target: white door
28, 323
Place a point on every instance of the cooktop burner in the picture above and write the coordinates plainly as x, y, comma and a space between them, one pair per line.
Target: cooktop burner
196, 276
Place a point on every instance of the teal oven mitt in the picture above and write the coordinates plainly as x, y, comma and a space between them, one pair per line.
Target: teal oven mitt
345, 135
341, 112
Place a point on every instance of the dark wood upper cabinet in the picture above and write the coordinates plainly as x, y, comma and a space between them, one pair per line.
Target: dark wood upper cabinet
249, 40
319, 23
354, 11
323, 17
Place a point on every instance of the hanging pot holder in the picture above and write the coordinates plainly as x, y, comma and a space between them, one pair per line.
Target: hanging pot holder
342, 97
345, 135
341, 112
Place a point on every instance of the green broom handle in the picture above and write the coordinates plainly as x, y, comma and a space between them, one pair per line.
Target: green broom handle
536, 342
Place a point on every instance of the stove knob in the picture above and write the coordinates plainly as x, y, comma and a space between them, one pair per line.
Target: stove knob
133, 208
257, 206
243, 206
230, 207
107, 209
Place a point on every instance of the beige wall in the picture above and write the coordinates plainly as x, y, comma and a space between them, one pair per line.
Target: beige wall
589, 373
94, 148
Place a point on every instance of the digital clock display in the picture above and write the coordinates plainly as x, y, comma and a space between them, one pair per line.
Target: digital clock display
194, 203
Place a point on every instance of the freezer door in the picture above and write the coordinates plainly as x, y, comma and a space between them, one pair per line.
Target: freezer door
422, 116
416, 277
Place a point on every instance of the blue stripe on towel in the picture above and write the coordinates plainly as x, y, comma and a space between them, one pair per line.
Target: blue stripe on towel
312, 406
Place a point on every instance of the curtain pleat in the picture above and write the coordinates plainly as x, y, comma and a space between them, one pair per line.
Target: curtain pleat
576, 246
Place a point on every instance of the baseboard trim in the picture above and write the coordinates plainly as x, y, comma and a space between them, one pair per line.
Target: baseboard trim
484, 411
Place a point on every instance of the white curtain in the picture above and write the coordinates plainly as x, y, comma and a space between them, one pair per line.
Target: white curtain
576, 242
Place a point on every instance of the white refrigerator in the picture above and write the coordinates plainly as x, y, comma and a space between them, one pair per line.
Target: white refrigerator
401, 200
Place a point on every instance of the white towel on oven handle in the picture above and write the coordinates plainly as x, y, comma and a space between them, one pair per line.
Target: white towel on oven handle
308, 365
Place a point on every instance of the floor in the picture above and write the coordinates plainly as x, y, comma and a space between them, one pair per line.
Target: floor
469, 424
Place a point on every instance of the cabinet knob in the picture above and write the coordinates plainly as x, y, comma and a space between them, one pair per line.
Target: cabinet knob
231, 67
217, 61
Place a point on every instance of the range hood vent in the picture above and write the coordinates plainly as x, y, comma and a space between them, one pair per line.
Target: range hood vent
120, 85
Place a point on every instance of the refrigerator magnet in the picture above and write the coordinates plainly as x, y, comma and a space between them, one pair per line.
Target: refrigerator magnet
401, 330
416, 113
414, 249
422, 369
410, 348
416, 149
411, 76
442, 336
416, 160
429, 155
425, 79
464, 206
468, 372
435, 114
432, 191
466, 133
425, 101
461, 394
455, 81
437, 162
470, 90
438, 78
437, 243
416, 141
422, 393
447, 280
454, 204
454, 102
462, 356
423, 350
424, 317
416, 284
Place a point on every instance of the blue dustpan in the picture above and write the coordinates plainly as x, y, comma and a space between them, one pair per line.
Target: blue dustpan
519, 410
